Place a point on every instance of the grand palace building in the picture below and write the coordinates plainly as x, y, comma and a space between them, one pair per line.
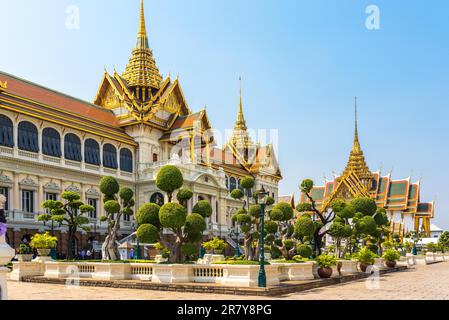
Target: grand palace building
138, 122
401, 198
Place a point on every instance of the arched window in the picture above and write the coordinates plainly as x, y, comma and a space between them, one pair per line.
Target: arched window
51, 142
126, 160
233, 184
157, 198
72, 147
109, 156
92, 152
227, 182
6, 132
28, 140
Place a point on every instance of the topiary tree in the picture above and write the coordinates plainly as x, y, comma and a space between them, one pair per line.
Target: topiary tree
169, 179
71, 213
280, 229
187, 229
117, 203
443, 241
321, 220
351, 222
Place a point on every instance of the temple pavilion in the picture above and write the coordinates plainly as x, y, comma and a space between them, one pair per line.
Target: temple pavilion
401, 198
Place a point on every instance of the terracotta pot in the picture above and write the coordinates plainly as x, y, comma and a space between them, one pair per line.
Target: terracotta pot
391, 264
364, 266
325, 272
43, 252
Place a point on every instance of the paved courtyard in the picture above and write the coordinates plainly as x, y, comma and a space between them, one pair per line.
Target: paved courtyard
421, 282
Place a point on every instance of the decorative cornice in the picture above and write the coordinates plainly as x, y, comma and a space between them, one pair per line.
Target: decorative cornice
73, 188
52, 186
5, 179
93, 192
28, 182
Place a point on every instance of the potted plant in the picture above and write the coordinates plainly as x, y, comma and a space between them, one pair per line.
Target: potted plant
25, 254
216, 246
391, 256
43, 243
366, 258
163, 253
325, 263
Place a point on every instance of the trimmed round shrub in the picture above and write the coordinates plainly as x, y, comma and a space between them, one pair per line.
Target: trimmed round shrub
304, 227
126, 194
109, 186
367, 206
195, 223
148, 214
270, 201
367, 225
237, 194
347, 213
169, 178
271, 227
184, 194
243, 218
189, 250
254, 210
70, 196
172, 215
304, 250
147, 233
203, 208
241, 211
381, 218
247, 182
112, 207
286, 209
338, 205
276, 215
304, 207
306, 185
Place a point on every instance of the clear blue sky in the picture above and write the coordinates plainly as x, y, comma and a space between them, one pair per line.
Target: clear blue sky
302, 63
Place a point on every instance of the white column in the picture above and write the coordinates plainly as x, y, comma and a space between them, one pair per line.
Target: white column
214, 209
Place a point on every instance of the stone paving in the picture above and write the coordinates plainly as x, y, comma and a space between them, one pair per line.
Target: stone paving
420, 283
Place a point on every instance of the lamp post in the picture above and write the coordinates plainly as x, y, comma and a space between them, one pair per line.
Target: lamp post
262, 201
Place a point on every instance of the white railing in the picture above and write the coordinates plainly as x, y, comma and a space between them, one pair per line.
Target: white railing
14, 153
86, 268
6, 150
141, 270
51, 159
28, 154
207, 274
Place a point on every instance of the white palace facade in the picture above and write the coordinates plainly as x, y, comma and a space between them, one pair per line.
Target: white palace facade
138, 122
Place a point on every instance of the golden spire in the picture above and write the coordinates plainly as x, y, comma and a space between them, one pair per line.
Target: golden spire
356, 162
240, 124
141, 70
240, 137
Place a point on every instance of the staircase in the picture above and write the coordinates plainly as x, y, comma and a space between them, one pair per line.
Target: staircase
234, 244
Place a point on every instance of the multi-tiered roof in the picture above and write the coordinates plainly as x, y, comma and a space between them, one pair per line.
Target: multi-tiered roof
357, 180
